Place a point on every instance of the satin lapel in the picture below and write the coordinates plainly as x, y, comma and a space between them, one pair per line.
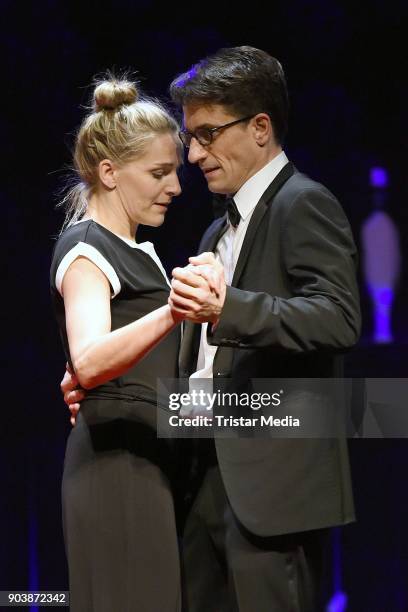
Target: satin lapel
212, 237
257, 216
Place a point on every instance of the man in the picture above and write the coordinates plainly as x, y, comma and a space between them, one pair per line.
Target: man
254, 536
286, 305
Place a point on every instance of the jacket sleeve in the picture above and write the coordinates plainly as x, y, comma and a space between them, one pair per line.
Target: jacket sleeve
319, 261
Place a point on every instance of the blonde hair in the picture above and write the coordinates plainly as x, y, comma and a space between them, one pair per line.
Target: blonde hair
119, 127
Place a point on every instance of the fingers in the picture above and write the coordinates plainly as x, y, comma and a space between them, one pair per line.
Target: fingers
69, 382
197, 294
179, 312
182, 305
202, 276
211, 275
74, 397
207, 266
65, 382
74, 409
188, 276
203, 258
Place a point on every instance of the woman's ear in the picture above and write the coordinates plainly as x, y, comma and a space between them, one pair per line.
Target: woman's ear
106, 171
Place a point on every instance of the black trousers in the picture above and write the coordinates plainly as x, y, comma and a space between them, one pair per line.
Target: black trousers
119, 523
227, 569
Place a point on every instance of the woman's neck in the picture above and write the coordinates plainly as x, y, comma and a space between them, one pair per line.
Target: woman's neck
107, 210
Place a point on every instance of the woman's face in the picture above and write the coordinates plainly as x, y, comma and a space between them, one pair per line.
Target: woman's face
147, 185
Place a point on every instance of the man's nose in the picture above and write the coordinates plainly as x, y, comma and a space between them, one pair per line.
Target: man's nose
196, 151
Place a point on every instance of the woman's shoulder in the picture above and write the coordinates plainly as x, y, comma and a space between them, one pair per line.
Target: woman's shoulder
81, 231
85, 231
83, 239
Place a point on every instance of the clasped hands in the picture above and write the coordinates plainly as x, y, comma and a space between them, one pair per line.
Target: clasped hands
198, 290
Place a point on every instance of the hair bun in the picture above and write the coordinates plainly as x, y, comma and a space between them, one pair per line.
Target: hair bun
111, 94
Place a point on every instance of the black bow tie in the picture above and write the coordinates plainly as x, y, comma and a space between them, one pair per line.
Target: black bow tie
233, 212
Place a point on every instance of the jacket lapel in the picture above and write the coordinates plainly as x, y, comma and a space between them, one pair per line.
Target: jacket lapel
257, 216
212, 236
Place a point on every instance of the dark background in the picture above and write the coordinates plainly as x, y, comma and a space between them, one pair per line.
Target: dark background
344, 65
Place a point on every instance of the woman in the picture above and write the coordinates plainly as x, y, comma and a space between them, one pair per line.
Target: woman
110, 298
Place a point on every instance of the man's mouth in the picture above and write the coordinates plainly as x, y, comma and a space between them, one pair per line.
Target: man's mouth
209, 171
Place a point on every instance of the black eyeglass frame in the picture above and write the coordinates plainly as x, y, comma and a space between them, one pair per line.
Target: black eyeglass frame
186, 136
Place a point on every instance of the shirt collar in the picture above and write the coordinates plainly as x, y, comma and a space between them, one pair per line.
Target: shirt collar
250, 193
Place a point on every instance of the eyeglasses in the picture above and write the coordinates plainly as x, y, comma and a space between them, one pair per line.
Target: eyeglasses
204, 135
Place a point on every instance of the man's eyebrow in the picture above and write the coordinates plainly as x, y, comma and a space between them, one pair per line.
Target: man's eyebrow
206, 126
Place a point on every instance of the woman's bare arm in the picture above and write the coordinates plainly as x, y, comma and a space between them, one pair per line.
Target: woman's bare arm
97, 353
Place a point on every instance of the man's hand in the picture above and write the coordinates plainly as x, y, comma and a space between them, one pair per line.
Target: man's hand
72, 394
198, 290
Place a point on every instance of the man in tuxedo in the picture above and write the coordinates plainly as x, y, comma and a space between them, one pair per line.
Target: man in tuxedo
286, 305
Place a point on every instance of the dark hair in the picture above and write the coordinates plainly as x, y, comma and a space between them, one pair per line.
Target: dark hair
244, 79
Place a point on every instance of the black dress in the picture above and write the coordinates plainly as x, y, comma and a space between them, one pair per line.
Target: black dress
118, 513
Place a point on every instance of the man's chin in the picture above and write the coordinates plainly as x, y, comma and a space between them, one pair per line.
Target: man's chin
218, 190
217, 187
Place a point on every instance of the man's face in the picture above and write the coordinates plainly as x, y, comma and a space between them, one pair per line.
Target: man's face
233, 155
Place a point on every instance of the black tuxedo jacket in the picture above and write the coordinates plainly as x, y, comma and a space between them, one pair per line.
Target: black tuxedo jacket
292, 307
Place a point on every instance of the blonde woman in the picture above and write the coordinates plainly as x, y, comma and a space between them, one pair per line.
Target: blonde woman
110, 298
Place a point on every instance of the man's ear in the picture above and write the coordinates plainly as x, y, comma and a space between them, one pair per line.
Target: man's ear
106, 170
263, 130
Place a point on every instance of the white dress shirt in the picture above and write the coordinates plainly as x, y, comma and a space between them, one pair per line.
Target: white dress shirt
229, 247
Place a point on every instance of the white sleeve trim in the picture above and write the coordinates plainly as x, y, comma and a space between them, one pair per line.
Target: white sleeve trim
86, 250
148, 247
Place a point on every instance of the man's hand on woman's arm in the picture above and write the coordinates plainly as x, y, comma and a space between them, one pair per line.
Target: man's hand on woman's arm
72, 394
